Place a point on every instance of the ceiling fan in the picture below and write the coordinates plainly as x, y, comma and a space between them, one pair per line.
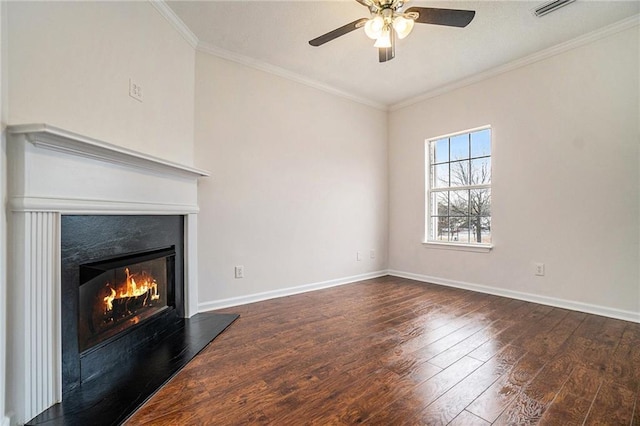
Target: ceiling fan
388, 21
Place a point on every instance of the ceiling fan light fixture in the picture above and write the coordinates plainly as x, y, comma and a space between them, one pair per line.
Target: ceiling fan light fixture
373, 27
402, 26
385, 38
388, 20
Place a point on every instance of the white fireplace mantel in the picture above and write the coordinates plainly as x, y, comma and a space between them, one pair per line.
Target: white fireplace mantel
54, 169
54, 172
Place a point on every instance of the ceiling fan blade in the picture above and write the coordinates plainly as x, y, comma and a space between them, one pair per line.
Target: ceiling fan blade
448, 17
388, 53
318, 41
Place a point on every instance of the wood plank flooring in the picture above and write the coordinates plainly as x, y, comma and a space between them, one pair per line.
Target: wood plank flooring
392, 351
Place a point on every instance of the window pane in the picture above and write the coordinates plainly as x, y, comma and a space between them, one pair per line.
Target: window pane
457, 214
460, 173
459, 203
440, 203
433, 227
486, 230
480, 202
443, 229
462, 234
456, 225
480, 229
440, 175
440, 228
440, 151
460, 147
481, 143
481, 171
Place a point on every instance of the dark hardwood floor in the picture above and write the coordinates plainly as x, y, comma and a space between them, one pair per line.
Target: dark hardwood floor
392, 351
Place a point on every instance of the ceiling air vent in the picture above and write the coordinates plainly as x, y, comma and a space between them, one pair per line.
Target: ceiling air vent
549, 7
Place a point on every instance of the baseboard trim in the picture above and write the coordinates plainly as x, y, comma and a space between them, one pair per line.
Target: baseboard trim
528, 297
258, 297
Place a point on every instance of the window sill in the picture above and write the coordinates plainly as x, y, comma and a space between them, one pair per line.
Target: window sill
478, 248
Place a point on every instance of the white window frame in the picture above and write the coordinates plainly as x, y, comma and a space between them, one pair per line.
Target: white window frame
452, 245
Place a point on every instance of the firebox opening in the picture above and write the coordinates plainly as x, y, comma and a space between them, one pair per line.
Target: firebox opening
119, 293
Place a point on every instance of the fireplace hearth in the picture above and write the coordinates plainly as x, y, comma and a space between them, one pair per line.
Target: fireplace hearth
112, 396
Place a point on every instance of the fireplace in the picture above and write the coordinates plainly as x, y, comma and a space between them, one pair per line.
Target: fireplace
130, 194
120, 293
122, 282
123, 331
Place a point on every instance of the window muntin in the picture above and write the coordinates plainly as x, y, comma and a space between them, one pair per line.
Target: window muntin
459, 188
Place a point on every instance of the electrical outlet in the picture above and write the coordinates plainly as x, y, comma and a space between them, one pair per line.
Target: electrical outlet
372, 254
539, 269
359, 256
239, 271
135, 90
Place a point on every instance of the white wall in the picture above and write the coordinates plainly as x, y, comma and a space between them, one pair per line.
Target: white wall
565, 178
3, 218
298, 186
70, 64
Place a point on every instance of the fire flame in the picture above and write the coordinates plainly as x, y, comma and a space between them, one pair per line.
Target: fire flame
109, 299
131, 288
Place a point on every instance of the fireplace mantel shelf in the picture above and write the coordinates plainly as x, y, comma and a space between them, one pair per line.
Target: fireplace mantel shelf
47, 136
53, 169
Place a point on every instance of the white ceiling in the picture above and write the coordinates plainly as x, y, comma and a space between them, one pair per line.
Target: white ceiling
275, 34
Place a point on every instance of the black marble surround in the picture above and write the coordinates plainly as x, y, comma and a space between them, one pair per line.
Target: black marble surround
90, 238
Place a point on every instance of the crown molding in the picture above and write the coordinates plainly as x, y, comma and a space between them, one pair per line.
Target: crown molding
200, 46
182, 28
289, 75
527, 60
177, 23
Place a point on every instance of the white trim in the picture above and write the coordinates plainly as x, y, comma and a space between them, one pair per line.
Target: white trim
84, 206
182, 28
177, 23
289, 75
478, 248
429, 191
35, 370
6, 421
462, 132
543, 300
258, 297
56, 139
527, 60
190, 265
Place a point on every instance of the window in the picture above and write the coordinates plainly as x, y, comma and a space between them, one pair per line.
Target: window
459, 188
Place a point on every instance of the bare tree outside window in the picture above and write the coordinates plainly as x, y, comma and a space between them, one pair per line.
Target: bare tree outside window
459, 192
